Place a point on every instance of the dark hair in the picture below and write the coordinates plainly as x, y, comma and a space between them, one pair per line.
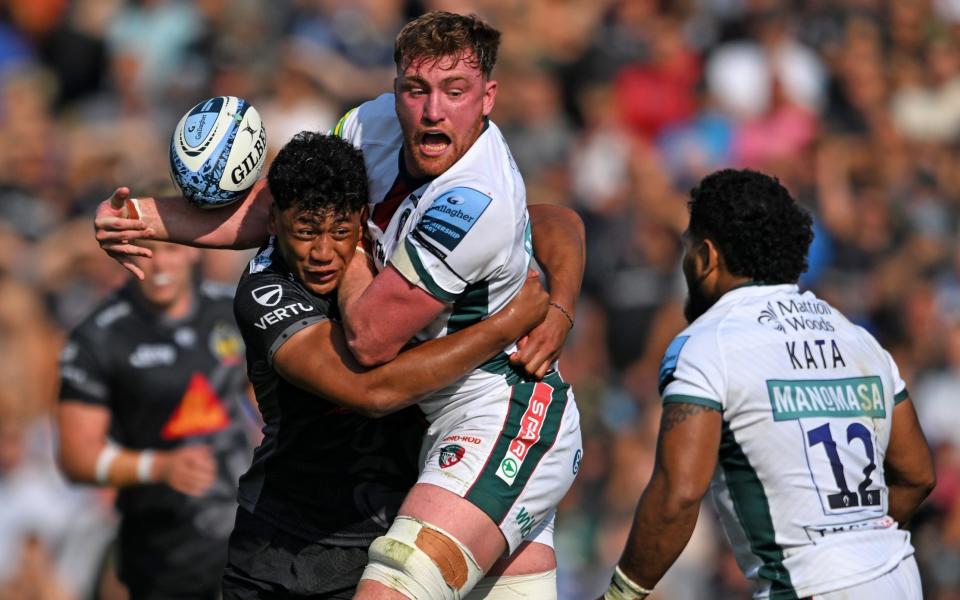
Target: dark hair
318, 173
437, 34
759, 229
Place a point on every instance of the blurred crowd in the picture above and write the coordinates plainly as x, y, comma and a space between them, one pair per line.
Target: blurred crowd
613, 107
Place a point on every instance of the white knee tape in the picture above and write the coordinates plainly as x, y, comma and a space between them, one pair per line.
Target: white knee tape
536, 586
422, 562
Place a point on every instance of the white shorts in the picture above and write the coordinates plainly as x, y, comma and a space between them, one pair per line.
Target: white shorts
513, 454
902, 583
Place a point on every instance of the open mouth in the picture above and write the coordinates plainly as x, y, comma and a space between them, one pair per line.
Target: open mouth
321, 276
161, 279
434, 143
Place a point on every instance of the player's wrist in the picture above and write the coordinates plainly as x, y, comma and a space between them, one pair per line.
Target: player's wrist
562, 310
105, 459
146, 463
624, 588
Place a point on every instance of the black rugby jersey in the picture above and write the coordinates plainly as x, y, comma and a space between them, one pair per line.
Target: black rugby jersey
167, 383
322, 473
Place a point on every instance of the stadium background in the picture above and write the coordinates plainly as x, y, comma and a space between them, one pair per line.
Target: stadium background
614, 108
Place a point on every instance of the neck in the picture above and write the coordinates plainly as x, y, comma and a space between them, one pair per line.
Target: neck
731, 282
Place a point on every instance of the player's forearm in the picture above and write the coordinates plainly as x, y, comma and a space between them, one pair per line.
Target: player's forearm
905, 499
662, 526
559, 245
237, 226
435, 364
105, 465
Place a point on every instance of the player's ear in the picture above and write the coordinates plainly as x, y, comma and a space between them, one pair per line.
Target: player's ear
708, 257
489, 96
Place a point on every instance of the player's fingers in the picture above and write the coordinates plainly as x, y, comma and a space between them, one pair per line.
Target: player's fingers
532, 274
118, 197
517, 357
123, 249
112, 226
137, 271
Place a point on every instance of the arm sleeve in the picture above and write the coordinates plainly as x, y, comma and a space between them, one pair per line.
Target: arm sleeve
692, 372
461, 239
900, 392
82, 374
270, 308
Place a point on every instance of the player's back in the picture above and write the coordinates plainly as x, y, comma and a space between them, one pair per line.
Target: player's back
807, 400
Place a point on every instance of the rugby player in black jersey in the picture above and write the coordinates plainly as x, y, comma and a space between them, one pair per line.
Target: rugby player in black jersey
329, 476
152, 389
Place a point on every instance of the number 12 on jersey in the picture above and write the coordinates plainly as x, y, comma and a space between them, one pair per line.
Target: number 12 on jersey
864, 496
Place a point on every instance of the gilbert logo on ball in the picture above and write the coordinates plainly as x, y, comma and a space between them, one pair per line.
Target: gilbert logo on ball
218, 151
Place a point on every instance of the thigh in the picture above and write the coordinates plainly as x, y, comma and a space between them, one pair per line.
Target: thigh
512, 455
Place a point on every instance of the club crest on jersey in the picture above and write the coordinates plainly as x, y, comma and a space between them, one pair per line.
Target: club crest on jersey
450, 455
226, 344
268, 295
452, 215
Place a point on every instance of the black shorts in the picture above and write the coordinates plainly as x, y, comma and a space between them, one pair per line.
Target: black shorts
267, 563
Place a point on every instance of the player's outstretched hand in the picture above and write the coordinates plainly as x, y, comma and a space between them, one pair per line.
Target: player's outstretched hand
540, 348
190, 470
117, 224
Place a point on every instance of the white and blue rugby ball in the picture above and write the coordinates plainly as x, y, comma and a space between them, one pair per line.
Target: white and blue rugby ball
217, 151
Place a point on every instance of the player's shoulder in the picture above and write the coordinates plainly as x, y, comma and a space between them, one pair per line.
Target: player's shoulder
371, 120
106, 317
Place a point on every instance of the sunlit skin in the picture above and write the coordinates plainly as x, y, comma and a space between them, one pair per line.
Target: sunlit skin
317, 247
167, 285
441, 107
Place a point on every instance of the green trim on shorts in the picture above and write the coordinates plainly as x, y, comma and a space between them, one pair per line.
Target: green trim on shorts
489, 492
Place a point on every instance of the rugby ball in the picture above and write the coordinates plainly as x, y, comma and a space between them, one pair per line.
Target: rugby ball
217, 151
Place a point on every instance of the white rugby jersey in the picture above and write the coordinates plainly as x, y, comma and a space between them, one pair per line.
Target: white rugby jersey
464, 237
807, 400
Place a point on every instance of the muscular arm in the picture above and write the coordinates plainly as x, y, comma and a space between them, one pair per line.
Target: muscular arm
318, 359
559, 245
667, 511
380, 319
82, 430
237, 226
908, 465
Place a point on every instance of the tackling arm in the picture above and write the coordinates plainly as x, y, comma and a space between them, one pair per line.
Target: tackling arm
240, 225
908, 465
667, 512
559, 245
318, 359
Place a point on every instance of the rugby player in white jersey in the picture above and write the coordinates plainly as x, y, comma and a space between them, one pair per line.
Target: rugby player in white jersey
451, 234
795, 418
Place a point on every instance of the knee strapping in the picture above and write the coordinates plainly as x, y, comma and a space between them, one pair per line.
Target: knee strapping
535, 586
422, 561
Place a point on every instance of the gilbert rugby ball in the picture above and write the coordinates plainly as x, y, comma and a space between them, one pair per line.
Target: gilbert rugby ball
217, 151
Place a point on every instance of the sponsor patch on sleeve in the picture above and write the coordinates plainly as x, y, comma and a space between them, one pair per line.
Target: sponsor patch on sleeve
670, 359
452, 215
